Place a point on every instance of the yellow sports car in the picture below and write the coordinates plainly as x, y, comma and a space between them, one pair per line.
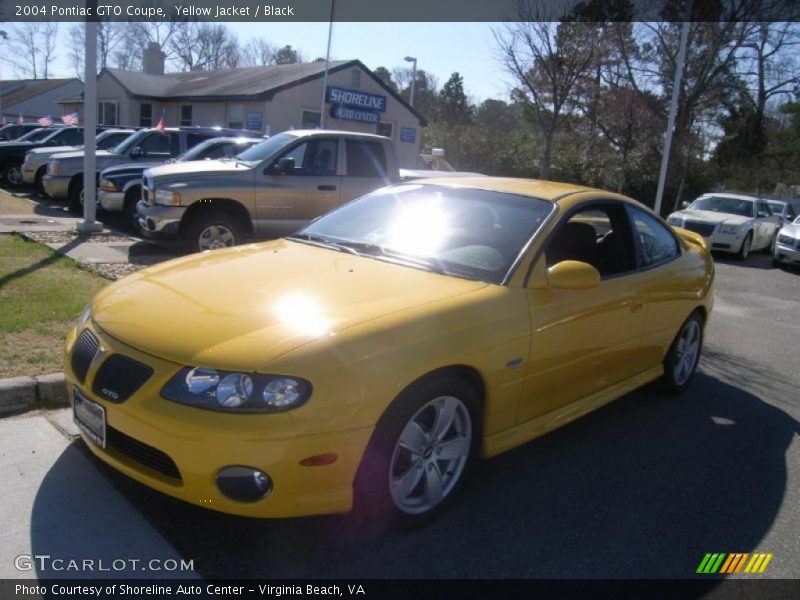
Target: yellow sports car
368, 360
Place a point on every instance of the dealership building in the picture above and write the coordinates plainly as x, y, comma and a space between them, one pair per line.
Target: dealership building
269, 99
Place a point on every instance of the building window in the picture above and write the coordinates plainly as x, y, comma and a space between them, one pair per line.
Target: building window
384, 129
145, 114
355, 78
311, 119
186, 115
236, 116
107, 113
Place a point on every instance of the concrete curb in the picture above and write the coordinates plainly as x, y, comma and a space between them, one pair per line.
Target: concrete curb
18, 394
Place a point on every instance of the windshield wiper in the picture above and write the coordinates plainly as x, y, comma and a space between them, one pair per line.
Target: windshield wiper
322, 241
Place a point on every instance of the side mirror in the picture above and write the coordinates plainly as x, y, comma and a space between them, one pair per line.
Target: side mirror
573, 275
284, 166
137, 152
685, 204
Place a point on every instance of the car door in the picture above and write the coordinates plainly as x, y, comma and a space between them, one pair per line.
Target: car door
287, 199
365, 168
766, 225
585, 340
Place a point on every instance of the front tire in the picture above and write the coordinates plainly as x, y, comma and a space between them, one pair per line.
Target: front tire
211, 231
75, 196
747, 243
13, 176
420, 453
681, 361
129, 208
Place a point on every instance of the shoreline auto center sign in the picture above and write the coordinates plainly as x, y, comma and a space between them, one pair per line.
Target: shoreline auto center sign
354, 105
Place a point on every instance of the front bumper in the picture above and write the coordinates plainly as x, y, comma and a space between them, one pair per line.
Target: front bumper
787, 254
159, 222
56, 186
111, 201
201, 442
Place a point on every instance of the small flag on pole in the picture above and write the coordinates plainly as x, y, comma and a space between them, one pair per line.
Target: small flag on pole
70, 119
45, 121
20, 120
160, 125
3, 120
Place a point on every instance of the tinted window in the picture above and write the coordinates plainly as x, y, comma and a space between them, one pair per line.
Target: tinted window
365, 159
317, 157
192, 139
159, 144
656, 242
71, 137
598, 235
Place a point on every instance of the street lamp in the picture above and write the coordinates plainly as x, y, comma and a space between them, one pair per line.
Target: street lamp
411, 59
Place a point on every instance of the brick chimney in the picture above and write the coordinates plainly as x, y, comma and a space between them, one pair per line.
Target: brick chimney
153, 59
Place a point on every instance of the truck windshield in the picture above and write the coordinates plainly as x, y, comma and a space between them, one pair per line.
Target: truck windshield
131, 142
35, 135
267, 148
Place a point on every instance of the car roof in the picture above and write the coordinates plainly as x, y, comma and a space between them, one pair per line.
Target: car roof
536, 188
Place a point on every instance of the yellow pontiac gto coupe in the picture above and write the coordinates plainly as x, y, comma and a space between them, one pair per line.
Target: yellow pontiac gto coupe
368, 359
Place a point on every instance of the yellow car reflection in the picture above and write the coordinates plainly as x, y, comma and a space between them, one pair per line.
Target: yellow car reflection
368, 360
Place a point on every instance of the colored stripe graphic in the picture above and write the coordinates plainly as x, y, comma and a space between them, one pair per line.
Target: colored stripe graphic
724, 564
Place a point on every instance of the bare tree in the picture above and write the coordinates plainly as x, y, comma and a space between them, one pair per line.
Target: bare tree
258, 52
33, 49
547, 61
110, 35
205, 46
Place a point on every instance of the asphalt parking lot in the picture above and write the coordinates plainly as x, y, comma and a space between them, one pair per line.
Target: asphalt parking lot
640, 489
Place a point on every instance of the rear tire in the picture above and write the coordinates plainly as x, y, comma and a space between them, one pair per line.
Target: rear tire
419, 455
75, 196
39, 181
212, 230
744, 250
683, 356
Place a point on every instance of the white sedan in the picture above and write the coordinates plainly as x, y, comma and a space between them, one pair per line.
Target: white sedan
787, 246
732, 223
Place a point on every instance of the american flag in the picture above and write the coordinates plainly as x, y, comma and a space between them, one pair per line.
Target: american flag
45, 121
3, 120
160, 125
70, 119
20, 120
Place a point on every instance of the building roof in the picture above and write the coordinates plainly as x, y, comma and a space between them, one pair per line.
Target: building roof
246, 83
20, 90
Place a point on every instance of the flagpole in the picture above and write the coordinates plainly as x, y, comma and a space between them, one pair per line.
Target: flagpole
327, 66
88, 223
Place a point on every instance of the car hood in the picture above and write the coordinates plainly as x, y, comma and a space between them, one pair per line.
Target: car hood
790, 230
53, 149
208, 167
710, 216
79, 154
240, 308
129, 168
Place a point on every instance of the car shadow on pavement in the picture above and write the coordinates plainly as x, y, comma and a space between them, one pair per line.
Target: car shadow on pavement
642, 488
760, 260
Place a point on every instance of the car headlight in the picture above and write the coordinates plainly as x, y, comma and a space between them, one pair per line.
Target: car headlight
54, 168
228, 391
108, 186
167, 198
676, 221
728, 229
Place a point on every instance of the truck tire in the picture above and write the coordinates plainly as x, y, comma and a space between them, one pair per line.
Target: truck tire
212, 230
13, 175
74, 196
129, 208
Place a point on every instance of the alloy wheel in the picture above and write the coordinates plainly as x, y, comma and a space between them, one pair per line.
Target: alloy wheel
214, 237
687, 351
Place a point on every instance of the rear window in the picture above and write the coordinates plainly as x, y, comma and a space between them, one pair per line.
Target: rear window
365, 159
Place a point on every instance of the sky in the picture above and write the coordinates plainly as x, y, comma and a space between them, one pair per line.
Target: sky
440, 48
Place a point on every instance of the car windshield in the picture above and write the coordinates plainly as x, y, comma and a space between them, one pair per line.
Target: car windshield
777, 207
255, 154
35, 135
462, 232
724, 204
129, 143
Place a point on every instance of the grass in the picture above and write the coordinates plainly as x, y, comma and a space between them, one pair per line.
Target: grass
10, 205
41, 295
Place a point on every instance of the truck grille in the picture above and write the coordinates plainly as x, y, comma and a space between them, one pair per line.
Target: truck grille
119, 377
82, 354
145, 455
704, 229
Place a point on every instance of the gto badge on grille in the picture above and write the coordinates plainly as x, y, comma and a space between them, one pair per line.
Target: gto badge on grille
110, 393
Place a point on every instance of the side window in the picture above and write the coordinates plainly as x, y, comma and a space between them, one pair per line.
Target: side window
192, 139
598, 235
71, 137
763, 210
656, 242
365, 159
157, 144
318, 157
145, 114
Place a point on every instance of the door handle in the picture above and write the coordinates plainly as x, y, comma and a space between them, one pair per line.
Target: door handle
327, 188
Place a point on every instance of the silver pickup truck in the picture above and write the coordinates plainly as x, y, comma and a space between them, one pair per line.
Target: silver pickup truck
267, 191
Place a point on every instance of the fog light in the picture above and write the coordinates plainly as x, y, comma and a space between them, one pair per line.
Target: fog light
151, 226
244, 484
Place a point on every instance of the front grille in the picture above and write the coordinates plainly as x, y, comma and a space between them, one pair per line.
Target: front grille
150, 457
119, 377
704, 229
82, 354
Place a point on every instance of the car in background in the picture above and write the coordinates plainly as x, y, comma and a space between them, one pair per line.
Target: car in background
64, 178
783, 210
787, 246
14, 131
121, 186
368, 360
12, 154
35, 165
732, 223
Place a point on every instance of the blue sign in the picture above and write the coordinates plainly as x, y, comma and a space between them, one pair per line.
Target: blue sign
356, 99
347, 113
408, 134
253, 121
